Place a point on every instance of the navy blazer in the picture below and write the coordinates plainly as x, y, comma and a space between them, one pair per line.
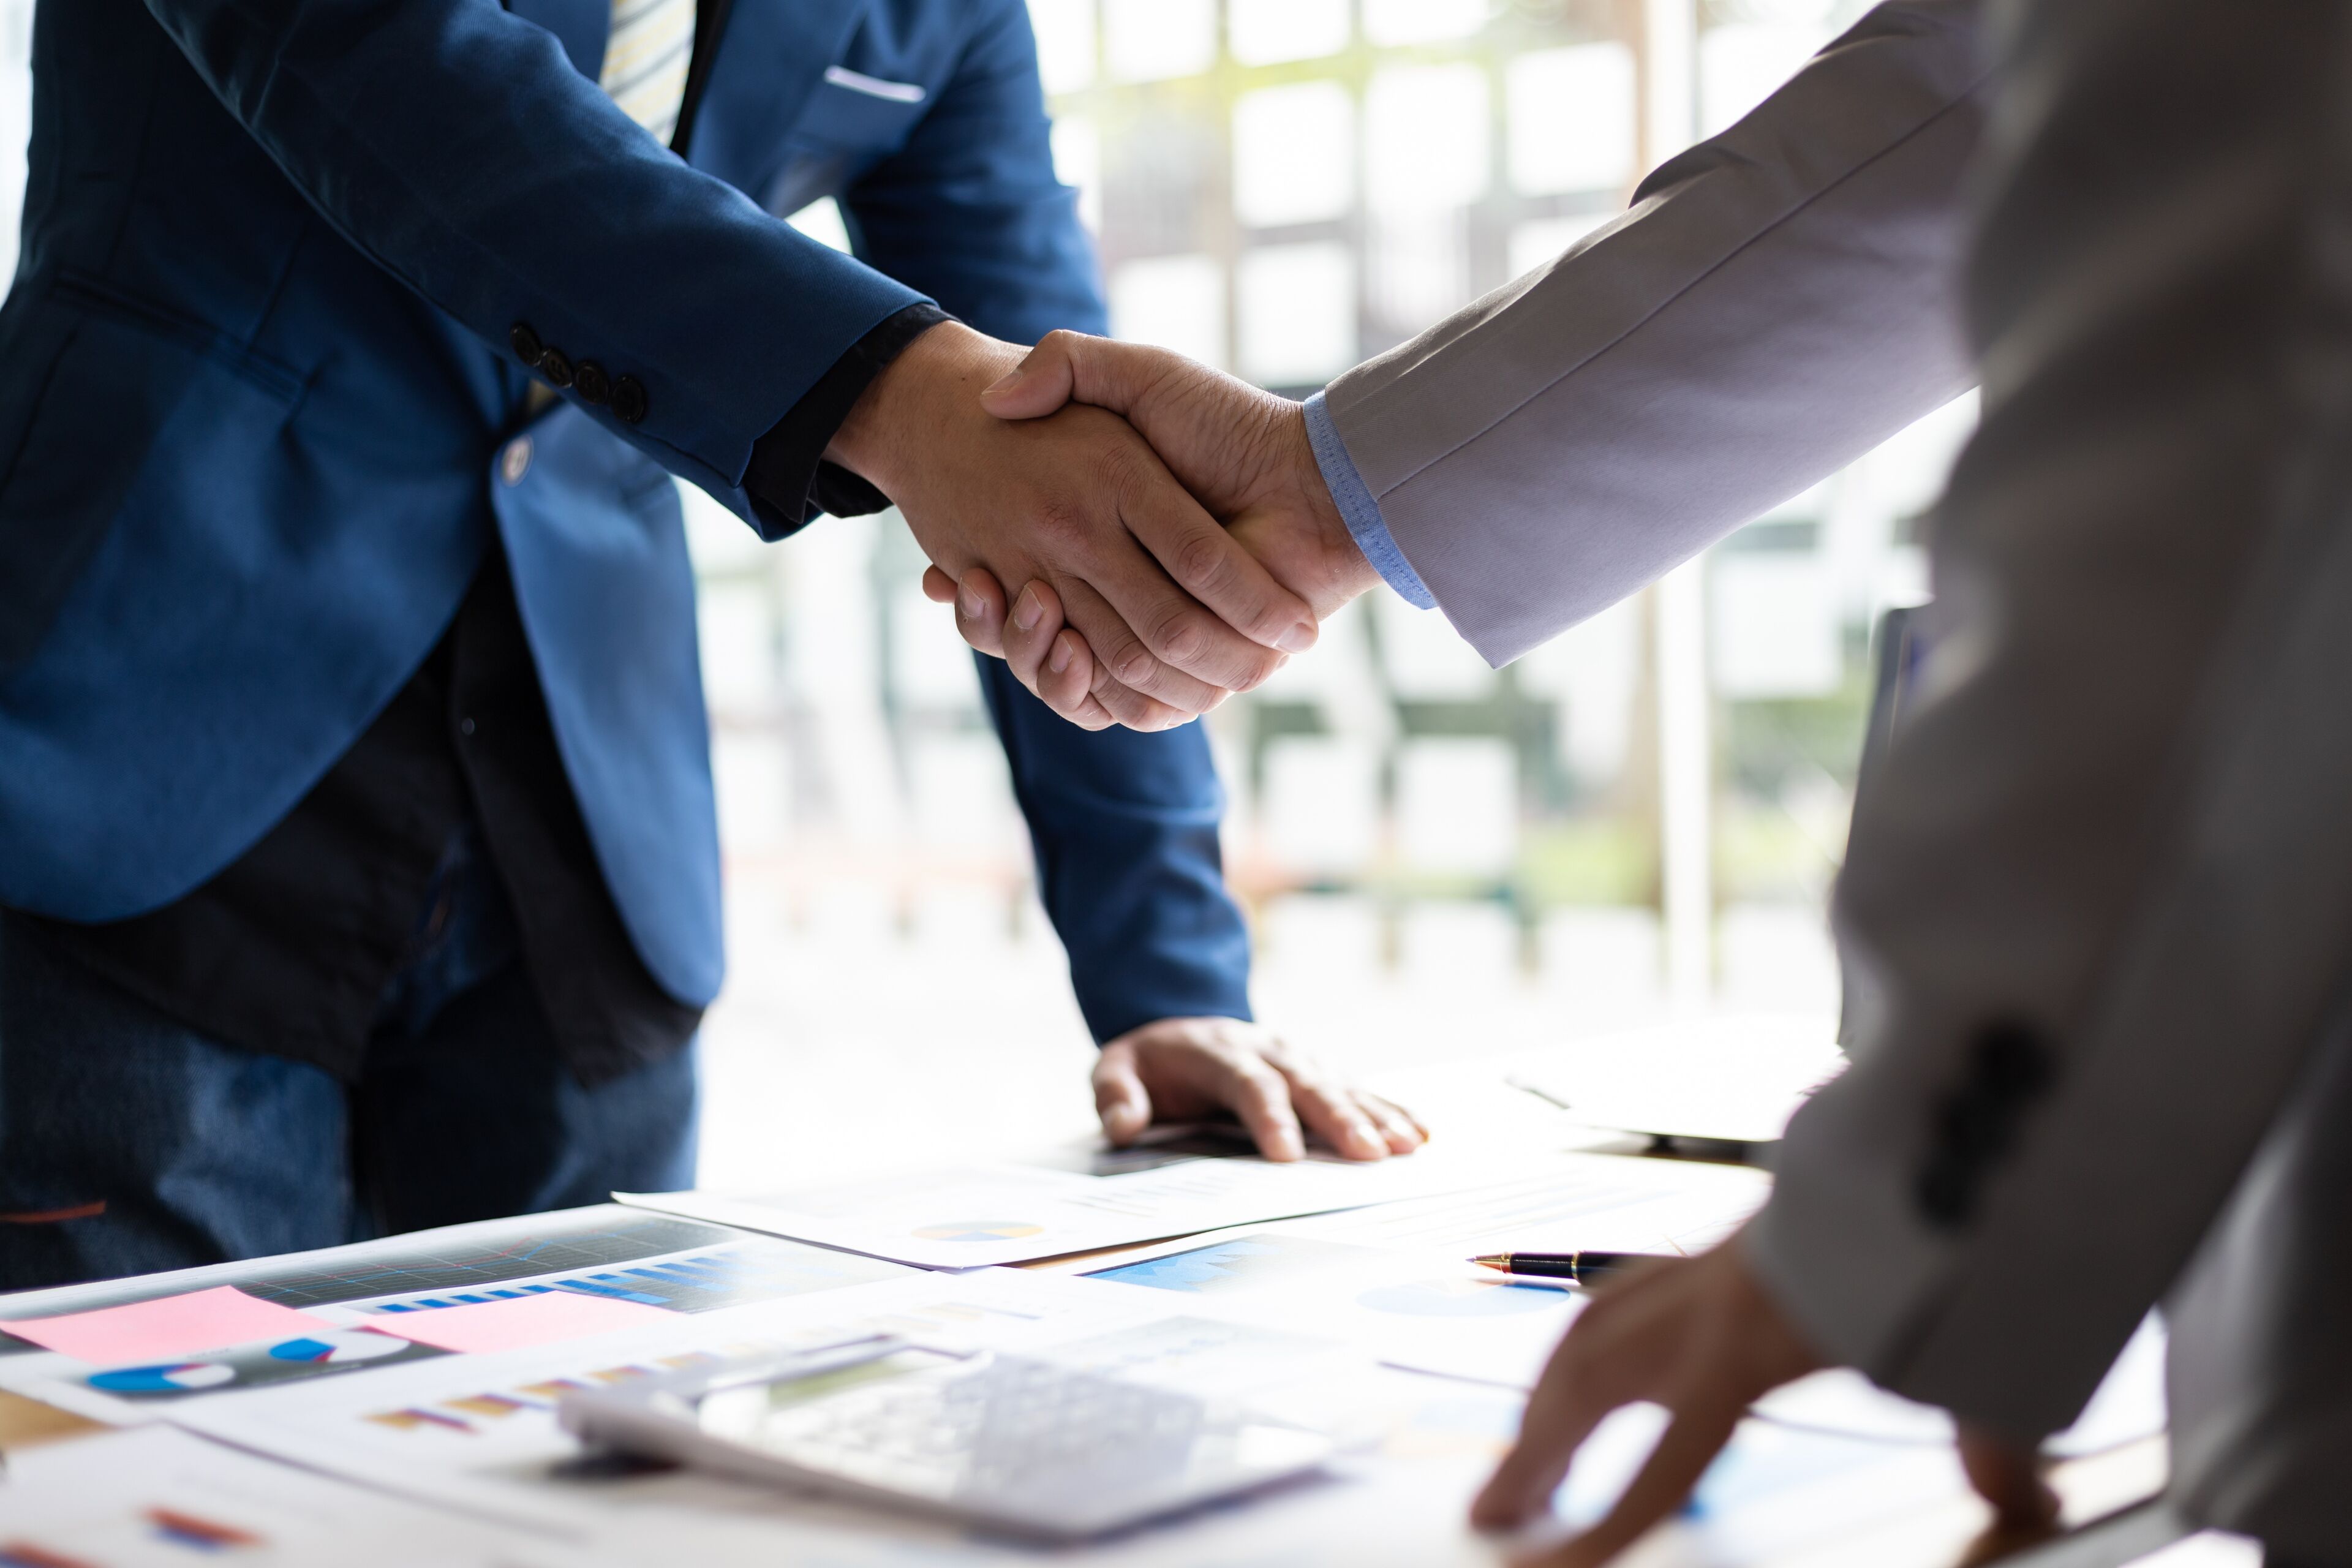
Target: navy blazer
259, 416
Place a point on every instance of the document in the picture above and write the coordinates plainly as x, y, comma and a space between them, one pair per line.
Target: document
157, 1497
361, 1311
1734, 1080
480, 1432
971, 1217
1611, 1203
1421, 1311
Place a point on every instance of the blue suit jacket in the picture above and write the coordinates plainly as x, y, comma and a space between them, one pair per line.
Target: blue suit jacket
254, 383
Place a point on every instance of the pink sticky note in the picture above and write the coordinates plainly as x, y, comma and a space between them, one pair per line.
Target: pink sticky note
519, 1321
173, 1326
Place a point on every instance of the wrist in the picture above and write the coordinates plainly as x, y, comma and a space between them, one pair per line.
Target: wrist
933, 378
1347, 572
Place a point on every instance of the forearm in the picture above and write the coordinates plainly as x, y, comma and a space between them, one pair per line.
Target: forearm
458, 147
1125, 830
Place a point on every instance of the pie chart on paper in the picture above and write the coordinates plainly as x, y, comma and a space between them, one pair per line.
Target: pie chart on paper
173, 1377
978, 1230
347, 1346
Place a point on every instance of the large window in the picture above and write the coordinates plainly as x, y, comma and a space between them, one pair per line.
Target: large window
1438, 857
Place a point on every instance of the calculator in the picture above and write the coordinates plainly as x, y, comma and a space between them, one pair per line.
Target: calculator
1016, 1444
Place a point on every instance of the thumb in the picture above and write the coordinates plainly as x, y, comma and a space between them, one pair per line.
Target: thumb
1071, 366
2009, 1479
1120, 1098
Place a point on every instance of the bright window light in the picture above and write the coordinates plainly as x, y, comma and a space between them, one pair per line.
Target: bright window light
1295, 309
1742, 64
1571, 119
1175, 301
1077, 163
1533, 244
1294, 154
1263, 32
1066, 42
1390, 22
1151, 40
1425, 138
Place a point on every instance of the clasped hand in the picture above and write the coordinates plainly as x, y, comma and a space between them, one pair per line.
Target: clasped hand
1169, 533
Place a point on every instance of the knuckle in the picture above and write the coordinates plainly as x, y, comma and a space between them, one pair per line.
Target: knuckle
1180, 633
1202, 562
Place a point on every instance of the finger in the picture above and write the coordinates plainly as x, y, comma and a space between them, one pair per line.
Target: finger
1065, 365
1132, 709
1674, 1467
1122, 656
1040, 383
979, 610
1210, 566
1404, 1132
1120, 1099
2008, 1478
1261, 1097
1330, 1111
1031, 627
938, 586
1066, 683
1562, 1413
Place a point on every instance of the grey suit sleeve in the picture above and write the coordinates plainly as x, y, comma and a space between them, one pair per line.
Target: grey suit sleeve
2104, 885
1776, 301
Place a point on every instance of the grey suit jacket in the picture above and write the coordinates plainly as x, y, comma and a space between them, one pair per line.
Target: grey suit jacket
2105, 895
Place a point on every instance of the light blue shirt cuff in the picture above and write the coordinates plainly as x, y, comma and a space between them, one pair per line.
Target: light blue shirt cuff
1365, 524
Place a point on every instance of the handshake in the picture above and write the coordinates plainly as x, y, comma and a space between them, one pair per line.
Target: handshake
1164, 530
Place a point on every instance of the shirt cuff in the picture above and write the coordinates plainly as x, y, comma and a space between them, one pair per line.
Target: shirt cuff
788, 476
1362, 513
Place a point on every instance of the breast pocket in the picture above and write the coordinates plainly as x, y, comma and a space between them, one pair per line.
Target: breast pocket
853, 113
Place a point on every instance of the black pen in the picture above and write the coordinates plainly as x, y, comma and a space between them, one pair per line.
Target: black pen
1576, 1267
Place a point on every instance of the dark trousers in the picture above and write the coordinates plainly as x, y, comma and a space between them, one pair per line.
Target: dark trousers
130, 1142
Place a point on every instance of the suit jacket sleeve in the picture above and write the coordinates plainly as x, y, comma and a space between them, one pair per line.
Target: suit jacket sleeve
1776, 302
1124, 825
2103, 887
457, 146
1125, 828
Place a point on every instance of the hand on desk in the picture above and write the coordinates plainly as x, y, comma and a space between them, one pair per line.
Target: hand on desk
1701, 1337
1173, 612
1183, 1069
1241, 453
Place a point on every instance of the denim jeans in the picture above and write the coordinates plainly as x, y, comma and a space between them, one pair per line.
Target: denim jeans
130, 1142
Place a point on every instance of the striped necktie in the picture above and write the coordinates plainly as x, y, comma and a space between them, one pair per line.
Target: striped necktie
647, 53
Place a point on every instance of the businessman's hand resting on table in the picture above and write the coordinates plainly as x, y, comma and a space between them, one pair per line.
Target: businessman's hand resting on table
1173, 611
1701, 1337
1244, 455
1184, 1069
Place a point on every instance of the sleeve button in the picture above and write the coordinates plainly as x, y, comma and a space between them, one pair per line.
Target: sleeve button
526, 346
591, 384
553, 365
628, 400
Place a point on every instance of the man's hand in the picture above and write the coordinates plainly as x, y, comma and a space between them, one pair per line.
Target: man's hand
1174, 612
1697, 1335
1702, 1338
1243, 452
1185, 1069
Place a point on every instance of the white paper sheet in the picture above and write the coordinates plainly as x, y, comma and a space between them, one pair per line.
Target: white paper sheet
1738, 1079
158, 1498
975, 1216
